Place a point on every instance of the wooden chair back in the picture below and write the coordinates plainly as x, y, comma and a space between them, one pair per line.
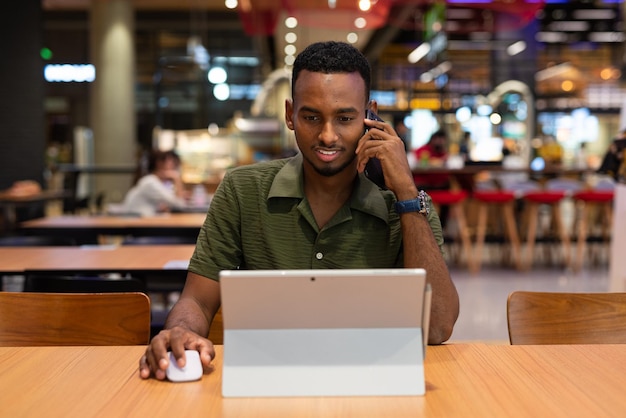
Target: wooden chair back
566, 318
216, 333
41, 319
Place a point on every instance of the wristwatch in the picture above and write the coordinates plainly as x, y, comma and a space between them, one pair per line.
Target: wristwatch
419, 204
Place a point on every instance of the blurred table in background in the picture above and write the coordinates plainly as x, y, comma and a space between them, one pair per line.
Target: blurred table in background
96, 259
87, 229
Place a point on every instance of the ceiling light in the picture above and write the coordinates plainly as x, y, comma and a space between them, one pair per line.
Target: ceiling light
606, 37
291, 37
516, 48
365, 5
553, 71
419, 53
360, 22
352, 38
495, 118
221, 92
606, 73
231, 4
551, 37
567, 85
291, 22
217, 75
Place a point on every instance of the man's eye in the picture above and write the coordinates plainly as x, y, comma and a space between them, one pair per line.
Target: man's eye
346, 118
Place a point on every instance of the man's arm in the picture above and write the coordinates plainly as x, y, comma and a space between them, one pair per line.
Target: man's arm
421, 251
196, 306
186, 328
420, 246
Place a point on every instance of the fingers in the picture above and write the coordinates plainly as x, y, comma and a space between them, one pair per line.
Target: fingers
156, 359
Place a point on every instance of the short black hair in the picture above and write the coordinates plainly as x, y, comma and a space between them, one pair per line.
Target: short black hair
439, 134
332, 57
157, 156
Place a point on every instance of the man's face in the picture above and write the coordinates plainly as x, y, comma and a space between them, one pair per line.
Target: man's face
326, 115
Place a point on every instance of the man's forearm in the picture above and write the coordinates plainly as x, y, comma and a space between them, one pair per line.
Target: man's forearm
421, 251
186, 313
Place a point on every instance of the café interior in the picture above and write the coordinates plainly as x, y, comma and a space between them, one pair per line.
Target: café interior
210, 81
529, 93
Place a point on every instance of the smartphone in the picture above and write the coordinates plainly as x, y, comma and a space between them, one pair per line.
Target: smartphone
373, 168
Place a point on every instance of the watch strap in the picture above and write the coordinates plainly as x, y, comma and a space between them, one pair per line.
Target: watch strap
419, 204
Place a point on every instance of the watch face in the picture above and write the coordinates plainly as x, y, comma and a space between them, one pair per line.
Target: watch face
425, 208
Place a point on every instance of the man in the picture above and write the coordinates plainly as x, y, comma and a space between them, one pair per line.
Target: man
314, 210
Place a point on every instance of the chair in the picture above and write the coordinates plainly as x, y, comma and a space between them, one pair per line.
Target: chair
586, 200
40, 319
566, 318
552, 196
503, 201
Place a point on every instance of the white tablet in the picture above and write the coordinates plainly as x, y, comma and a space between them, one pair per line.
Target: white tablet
358, 332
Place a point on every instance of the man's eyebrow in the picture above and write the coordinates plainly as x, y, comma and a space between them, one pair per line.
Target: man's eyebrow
347, 110
339, 111
309, 109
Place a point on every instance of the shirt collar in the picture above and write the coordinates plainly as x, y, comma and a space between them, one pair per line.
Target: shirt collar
366, 197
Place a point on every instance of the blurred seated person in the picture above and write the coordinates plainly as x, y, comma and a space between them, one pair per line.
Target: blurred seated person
433, 154
161, 190
614, 156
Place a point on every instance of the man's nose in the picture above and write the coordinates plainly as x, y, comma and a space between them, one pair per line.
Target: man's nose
328, 135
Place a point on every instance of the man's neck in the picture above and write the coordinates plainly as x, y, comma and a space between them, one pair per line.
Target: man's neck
326, 195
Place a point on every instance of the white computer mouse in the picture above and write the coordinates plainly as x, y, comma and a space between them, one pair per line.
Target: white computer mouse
191, 371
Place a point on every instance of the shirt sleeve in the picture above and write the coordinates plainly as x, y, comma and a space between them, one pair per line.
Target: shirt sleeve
219, 242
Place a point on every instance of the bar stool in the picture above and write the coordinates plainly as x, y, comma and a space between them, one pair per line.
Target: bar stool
553, 194
504, 201
455, 200
585, 200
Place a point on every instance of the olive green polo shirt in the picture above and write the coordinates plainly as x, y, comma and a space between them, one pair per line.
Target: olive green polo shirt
260, 219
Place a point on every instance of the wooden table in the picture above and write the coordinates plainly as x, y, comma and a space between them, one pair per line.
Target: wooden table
462, 380
94, 258
87, 228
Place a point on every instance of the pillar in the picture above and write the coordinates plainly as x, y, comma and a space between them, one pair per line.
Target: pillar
112, 98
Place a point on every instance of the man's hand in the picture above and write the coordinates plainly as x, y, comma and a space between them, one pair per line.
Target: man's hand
155, 361
384, 143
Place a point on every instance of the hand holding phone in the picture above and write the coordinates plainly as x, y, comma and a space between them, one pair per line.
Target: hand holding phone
373, 168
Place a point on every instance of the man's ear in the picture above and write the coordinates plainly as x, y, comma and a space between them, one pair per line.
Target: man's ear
289, 113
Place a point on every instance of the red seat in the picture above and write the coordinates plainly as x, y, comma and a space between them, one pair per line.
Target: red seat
585, 200
455, 199
447, 197
505, 200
